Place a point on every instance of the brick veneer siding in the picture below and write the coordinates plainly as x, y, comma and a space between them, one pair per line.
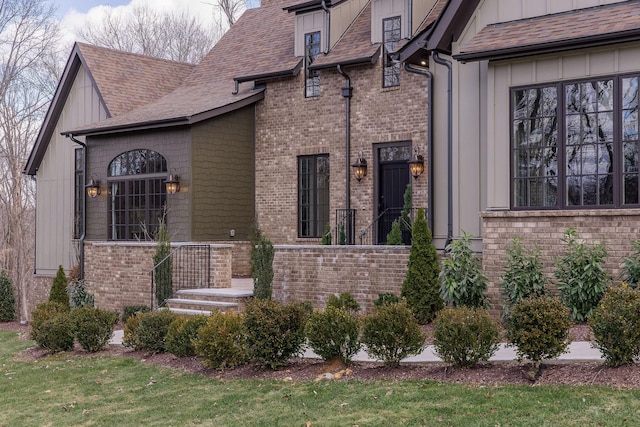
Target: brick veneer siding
37, 292
313, 273
545, 229
117, 273
289, 125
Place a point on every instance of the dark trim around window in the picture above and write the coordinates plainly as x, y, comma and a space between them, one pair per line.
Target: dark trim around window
391, 36
313, 195
312, 48
78, 191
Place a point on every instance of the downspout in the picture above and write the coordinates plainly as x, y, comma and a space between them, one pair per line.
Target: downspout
347, 92
84, 203
447, 63
430, 189
327, 27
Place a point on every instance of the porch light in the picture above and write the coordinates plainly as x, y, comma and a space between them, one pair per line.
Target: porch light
360, 167
172, 184
93, 188
416, 165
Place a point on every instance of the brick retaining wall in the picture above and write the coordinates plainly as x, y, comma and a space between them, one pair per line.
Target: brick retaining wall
314, 272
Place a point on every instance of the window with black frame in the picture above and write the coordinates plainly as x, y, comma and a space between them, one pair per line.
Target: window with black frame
575, 144
391, 36
78, 192
313, 195
312, 77
137, 194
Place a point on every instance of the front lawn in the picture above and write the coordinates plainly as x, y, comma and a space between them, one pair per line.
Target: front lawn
66, 390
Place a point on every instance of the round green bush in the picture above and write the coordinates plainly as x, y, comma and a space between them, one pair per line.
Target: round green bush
130, 335
93, 327
181, 334
616, 325
152, 332
539, 328
221, 342
391, 333
132, 310
51, 327
334, 333
463, 336
274, 332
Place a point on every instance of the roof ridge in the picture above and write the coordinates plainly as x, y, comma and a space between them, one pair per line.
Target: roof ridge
124, 52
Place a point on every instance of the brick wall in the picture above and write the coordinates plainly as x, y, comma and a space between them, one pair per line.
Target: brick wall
117, 273
289, 125
313, 273
545, 229
37, 292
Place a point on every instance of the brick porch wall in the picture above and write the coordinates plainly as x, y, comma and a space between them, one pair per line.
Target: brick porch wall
38, 292
314, 272
617, 228
117, 273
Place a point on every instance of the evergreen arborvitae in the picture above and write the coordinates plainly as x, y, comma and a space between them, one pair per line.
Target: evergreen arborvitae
262, 253
394, 238
163, 272
421, 287
7, 299
59, 289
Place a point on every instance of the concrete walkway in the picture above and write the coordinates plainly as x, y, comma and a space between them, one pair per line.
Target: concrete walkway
578, 351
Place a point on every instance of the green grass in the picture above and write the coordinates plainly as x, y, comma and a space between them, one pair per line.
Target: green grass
104, 391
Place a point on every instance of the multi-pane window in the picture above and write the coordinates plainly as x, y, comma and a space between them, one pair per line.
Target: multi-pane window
575, 144
78, 192
312, 77
390, 38
313, 195
137, 194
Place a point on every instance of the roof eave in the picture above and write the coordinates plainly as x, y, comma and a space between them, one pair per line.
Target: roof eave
550, 47
451, 24
267, 76
365, 60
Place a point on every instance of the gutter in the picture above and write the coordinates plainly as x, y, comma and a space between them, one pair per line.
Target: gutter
430, 187
447, 63
347, 92
84, 202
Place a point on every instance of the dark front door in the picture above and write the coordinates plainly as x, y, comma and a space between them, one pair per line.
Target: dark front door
393, 180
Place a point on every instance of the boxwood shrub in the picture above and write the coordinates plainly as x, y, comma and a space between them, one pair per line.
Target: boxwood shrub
51, 327
93, 327
334, 333
181, 334
221, 341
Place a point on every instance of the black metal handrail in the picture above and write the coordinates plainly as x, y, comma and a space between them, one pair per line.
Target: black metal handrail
345, 229
186, 267
376, 232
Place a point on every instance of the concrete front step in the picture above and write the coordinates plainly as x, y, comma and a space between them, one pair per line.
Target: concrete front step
205, 300
189, 312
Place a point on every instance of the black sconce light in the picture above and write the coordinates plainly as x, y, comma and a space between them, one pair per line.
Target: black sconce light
172, 183
360, 167
416, 165
93, 188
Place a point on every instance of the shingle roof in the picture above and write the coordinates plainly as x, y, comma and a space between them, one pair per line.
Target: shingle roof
127, 80
260, 42
354, 47
595, 26
433, 15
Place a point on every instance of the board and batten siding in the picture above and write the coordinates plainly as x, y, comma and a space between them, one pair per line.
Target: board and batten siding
55, 179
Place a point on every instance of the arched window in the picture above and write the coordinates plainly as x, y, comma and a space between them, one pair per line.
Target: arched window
137, 194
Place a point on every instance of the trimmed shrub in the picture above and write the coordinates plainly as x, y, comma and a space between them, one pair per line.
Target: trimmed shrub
7, 299
181, 334
221, 342
464, 336
631, 267
421, 287
333, 333
163, 264
394, 238
131, 327
262, 253
132, 310
462, 280
152, 332
539, 328
345, 300
93, 327
523, 276
274, 331
79, 295
51, 327
386, 298
616, 325
390, 333
580, 276
58, 291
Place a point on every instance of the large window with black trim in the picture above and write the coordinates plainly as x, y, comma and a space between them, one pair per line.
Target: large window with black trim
575, 144
391, 36
312, 77
313, 195
78, 192
137, 194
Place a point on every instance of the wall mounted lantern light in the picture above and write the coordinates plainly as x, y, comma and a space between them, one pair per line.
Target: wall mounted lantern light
172, 184
416, 165
360, 167
93, 188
